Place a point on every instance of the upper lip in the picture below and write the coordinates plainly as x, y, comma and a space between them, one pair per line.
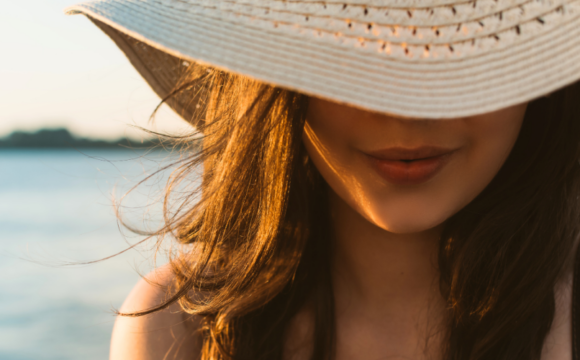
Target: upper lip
402, 154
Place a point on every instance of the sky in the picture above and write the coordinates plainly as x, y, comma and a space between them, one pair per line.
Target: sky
62, 71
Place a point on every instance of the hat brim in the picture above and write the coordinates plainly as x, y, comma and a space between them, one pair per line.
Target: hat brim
157, 39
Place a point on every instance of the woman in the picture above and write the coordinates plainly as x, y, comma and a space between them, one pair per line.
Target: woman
383, 179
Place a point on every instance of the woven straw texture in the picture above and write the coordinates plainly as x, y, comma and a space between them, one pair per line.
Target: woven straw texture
411, 58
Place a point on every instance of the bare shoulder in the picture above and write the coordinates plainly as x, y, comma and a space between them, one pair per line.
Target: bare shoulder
558, 344
166, 334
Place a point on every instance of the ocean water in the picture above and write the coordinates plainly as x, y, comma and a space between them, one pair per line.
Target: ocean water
56, 209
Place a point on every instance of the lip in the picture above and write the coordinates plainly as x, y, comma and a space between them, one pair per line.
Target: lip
409, 166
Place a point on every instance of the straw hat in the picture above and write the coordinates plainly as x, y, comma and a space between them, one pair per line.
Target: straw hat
412, 58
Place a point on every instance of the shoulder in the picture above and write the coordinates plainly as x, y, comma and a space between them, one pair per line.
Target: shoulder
558, 344
166, 334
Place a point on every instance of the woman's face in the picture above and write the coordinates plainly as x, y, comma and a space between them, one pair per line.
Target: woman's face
407, 175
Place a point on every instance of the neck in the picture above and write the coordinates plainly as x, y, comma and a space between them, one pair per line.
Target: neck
385, 274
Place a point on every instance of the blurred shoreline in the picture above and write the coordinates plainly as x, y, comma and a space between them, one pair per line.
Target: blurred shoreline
61, 138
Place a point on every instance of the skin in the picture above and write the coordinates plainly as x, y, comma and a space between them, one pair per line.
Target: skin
337, 136
385, 274
388, 303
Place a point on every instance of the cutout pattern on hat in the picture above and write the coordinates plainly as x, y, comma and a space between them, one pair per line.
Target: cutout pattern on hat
427, 33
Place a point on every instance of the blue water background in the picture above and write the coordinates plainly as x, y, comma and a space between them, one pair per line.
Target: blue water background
56, 207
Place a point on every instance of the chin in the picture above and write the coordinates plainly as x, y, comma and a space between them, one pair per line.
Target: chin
412, 222
408, 228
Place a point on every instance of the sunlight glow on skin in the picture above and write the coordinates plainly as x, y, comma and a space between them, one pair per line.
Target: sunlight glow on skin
336, 137
345, 177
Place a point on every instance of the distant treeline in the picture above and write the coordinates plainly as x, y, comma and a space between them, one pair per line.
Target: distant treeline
63, 139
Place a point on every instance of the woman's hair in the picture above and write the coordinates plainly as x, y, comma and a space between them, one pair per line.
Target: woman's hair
254, 248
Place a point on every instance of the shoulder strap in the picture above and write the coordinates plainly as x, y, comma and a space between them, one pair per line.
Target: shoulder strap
576, 308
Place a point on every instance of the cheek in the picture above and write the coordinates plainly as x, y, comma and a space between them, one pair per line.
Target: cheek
488, 142
491, 141
329, 149
328, 138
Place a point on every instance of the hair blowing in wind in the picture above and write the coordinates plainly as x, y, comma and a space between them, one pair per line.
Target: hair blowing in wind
255, 242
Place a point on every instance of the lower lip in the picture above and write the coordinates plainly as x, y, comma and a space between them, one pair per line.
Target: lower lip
409, 173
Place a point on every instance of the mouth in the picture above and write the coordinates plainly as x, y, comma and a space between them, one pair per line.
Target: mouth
403, 166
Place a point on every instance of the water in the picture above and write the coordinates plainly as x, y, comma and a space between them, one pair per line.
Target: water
56, 207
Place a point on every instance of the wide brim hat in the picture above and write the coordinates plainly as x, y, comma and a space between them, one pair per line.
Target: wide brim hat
411, 58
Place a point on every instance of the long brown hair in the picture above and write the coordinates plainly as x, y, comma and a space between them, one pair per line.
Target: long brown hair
254, 244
